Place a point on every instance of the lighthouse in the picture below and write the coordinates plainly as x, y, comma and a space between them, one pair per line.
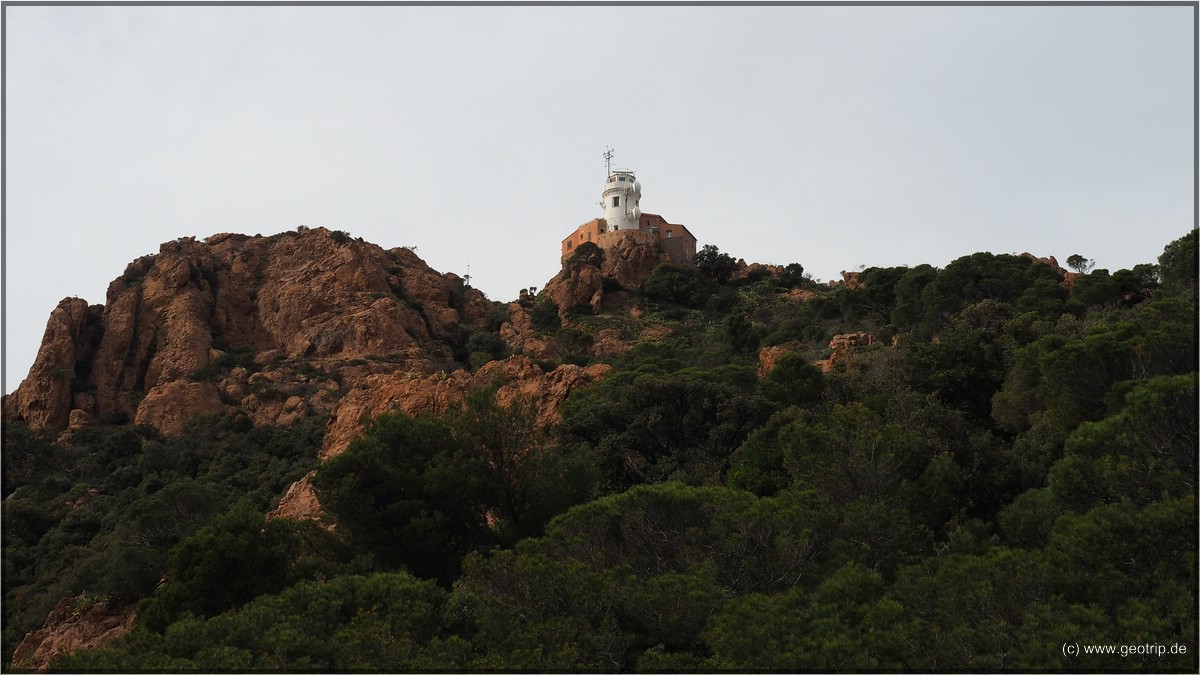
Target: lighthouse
621, 197
624, 222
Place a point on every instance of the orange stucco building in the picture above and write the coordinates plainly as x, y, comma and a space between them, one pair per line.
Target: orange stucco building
675, 240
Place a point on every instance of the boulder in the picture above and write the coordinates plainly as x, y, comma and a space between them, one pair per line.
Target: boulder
842, 345
170, 405
767, 358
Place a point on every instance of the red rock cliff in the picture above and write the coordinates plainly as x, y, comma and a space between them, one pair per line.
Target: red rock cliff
605, 277
279, 326
74, 623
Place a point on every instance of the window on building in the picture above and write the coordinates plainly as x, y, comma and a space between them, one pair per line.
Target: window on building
616, 201
668, 234
569, 244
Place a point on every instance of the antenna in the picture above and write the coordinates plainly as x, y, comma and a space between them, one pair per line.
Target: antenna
608, 155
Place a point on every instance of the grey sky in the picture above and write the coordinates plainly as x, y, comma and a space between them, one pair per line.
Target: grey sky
830, 136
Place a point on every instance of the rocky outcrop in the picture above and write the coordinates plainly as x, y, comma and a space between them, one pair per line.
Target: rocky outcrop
767, 358
171, 404
843, 343
287, 394
47, 396
629, 262
74, 623
578, 284
518, 333
300, 502
520, 379
593, 281
516, 378
842, 346
1050, 262
745, 270
181, 331
609, 343
1068, 278
851, 280
378, 394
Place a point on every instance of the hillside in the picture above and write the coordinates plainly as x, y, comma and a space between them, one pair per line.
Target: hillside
643, 466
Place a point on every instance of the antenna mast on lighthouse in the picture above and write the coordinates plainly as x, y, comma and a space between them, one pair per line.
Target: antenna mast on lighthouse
608, 155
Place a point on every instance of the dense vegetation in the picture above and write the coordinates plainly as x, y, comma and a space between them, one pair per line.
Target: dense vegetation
113, 512
1009, 471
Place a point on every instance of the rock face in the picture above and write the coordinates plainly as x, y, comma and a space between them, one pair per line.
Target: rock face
46, 397
608, 343
1068, 278
768, 357
1050, 262
74, 623
299, 502
842, 345
752, 269
578, 284
851, 280
517, 377
186, 331
585, 280
171, 404
630, 261
518, 333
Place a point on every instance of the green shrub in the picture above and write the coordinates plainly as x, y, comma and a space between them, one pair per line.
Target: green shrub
681, 285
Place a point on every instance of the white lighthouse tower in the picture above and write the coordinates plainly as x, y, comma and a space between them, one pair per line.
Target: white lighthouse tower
622, 193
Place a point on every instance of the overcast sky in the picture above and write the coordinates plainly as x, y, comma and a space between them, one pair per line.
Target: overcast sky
830, 136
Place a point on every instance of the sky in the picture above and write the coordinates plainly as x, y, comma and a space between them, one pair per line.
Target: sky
836, 137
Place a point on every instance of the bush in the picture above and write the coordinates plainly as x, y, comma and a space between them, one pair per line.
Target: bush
1178, 265
544, 316
240, 556
715, 265
677, 285
587, 253
794, 381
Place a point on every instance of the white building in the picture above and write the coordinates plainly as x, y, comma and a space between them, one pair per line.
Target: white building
622, 194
